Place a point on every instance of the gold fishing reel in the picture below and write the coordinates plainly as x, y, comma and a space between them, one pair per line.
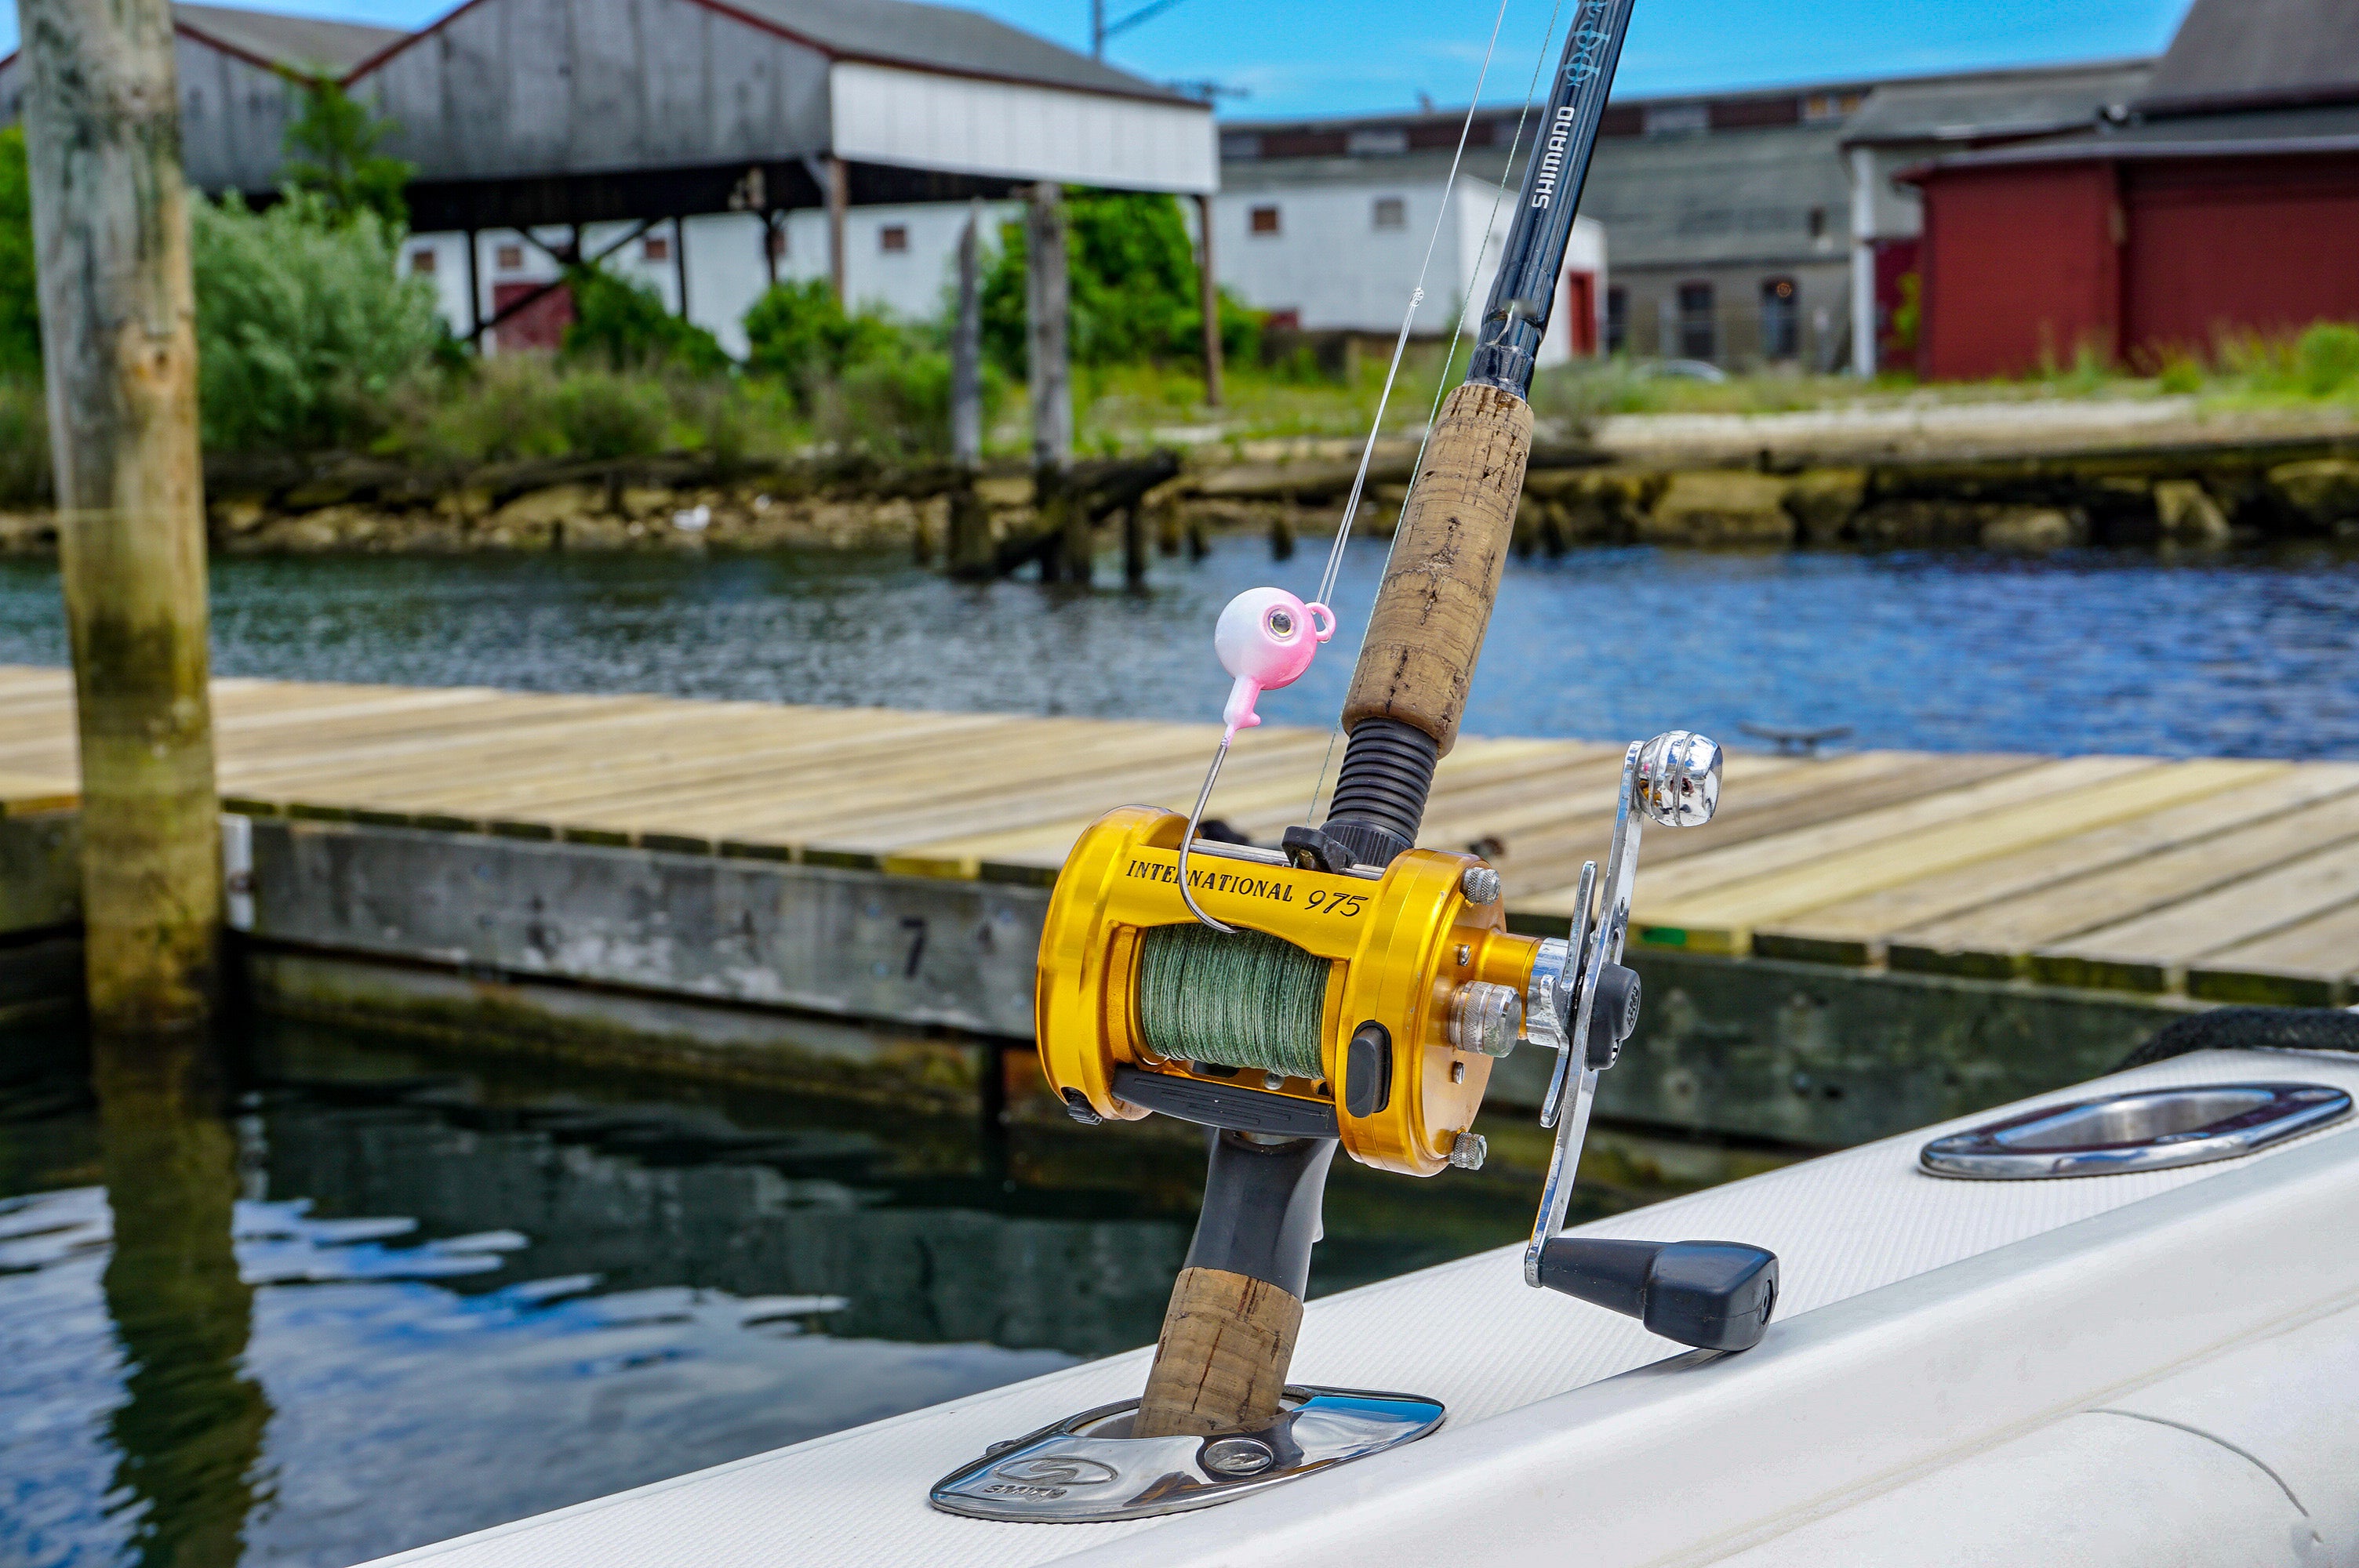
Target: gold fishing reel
1404, 982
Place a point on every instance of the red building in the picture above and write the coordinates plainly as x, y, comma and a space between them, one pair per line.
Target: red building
2224, 201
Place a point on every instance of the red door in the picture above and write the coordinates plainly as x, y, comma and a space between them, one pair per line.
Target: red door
1580, 312
539, 325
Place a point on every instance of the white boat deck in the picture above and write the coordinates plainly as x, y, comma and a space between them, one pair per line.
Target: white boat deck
1921, 1320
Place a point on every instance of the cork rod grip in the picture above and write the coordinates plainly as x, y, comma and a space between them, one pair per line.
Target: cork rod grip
1427, 631
1221, 1363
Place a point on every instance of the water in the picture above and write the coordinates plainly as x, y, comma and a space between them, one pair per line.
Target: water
2254, 654
356, 1297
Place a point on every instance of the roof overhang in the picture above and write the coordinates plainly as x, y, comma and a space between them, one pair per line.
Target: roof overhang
2137, 152
962, 124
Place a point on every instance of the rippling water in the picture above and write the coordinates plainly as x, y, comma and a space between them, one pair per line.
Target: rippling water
364, 1298
2244, 654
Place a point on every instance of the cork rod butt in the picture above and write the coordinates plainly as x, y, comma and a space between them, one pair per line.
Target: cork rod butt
1221, 1363
1426, 631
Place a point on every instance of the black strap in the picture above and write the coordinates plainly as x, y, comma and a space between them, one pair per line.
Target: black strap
2250, 1029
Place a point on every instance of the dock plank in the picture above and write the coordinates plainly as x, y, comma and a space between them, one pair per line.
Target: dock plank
1999, 938
1878, 925
1720, 919
2313, 964
2154, 951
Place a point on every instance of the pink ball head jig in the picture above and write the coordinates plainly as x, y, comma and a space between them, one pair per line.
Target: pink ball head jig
1265, 638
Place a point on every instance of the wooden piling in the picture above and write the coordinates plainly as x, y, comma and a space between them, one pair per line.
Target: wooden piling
1208, 293
1134, 549
118, 313
1047, 303
970, 530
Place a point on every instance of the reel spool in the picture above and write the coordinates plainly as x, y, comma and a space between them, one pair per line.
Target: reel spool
1359, 1004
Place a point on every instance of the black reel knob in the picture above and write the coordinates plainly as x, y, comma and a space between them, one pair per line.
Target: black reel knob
1714, 1295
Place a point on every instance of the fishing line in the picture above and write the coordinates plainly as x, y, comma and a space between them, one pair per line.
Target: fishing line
1441, 383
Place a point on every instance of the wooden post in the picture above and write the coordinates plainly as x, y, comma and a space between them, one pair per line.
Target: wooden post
679, 261
970, 531
1208, 287
118, 330
770, 249
839, 203
1134, 547
474, 292
1045, 302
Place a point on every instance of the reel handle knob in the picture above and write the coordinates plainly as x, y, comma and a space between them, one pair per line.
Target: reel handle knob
1714, 1295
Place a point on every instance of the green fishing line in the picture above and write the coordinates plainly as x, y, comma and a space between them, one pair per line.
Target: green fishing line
1244, 1000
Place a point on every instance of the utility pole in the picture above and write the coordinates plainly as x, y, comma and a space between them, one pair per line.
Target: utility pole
1097, 30
118, 334
1046, 300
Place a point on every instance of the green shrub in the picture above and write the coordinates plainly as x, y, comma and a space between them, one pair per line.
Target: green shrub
20, 309
897, 407
303, 329
601, 415
624, 326
2326, 358
1132, 275
800, 334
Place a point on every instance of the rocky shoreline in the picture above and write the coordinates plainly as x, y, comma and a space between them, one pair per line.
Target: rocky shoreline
2209, 492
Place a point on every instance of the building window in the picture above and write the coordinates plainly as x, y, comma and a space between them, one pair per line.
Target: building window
1262, 220
1817, 223
421, 263
893, 238
1388, 140
655, 248
1391, 212
1697, 339
1664, 119
1781, 318
1618, 321
1829, 105
509, 258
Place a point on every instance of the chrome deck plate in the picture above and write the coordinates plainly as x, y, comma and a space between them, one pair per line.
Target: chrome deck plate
1088, 1469
2144, 1130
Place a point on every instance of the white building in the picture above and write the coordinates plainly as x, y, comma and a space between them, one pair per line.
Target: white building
1335, 244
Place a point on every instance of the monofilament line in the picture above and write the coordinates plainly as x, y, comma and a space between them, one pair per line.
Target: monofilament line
1457, 330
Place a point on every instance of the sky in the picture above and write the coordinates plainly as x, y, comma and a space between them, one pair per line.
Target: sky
1305, 57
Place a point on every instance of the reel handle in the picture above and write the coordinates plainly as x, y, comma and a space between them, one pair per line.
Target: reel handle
1714, 1295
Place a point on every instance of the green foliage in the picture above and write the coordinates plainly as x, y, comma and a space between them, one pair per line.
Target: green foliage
898, 408
516, 406
1908, 316
2326, 358
800, 334
20, 306
624, 326
303, 330
332, 149
24, 443
2180, 373
1132, 275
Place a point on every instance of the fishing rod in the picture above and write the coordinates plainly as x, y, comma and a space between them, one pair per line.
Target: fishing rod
1348, 990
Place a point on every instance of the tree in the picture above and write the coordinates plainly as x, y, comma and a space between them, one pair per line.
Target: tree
20, 305
331, 150
1133, 288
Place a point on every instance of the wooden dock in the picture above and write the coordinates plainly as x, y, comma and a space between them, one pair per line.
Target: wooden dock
2222, 880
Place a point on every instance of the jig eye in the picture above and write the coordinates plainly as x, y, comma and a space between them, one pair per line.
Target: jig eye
1280, 623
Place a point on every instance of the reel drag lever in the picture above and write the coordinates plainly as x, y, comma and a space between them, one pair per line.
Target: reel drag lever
1715, 1295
